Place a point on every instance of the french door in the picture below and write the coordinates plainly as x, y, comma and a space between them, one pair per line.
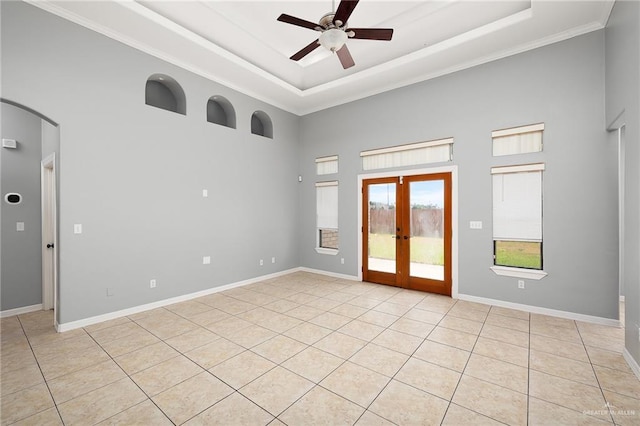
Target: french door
407, 232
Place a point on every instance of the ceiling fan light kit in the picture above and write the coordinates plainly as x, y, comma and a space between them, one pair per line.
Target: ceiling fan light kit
335, 33
333, 39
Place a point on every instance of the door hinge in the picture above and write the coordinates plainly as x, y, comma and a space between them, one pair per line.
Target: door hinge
401, 180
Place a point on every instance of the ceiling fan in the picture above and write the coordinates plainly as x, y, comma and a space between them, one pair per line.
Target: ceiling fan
335, 32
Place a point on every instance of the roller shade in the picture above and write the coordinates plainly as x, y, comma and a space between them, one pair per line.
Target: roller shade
327, 205
517, 206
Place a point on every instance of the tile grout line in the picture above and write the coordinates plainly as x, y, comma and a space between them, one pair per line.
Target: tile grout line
465, 367
596, 376
130, 378
35, 357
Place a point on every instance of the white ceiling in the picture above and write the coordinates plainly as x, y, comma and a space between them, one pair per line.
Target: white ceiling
241, 44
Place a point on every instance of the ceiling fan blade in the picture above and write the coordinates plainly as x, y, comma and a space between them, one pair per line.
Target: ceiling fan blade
345, 8
305, 50
345, 57
297, 21
372, 33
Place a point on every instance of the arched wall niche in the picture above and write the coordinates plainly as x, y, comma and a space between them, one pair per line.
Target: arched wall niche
261, 124
220, 111
162, 91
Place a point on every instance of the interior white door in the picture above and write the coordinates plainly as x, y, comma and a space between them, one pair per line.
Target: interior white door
49, 246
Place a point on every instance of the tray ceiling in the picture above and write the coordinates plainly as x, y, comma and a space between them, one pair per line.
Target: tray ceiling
241, 44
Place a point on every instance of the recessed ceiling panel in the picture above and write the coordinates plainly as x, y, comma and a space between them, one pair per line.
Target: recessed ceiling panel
242, 45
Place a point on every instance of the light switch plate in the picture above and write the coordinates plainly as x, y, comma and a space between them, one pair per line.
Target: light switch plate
19, 226
9, 143
475, 224
206, 260
205, 193
77, 228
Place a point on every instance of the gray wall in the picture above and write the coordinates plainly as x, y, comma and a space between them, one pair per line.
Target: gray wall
622, 100
561, 85
133, 175
21, 281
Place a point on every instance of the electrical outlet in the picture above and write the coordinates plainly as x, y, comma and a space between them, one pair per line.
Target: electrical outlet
261, 262
273, 260
342, 260
152, 284
520, 283
206, 260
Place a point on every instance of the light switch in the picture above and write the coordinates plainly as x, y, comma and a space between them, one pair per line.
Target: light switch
475, 224
205, 193
77, 228
206, 260
19, 226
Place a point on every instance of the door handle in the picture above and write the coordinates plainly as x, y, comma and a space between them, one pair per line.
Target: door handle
50, 245
406, 238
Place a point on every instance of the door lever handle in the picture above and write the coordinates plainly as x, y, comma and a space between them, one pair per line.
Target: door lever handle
49, 245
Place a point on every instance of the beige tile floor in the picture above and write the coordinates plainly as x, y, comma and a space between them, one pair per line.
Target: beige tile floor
307, 349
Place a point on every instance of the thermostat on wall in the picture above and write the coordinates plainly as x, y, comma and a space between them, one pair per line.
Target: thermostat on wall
13, 198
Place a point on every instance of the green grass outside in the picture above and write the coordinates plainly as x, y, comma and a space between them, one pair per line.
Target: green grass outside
430, 251
519, 254
423, 250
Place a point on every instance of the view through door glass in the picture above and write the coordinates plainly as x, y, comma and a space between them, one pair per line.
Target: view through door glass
382, 227
426, 199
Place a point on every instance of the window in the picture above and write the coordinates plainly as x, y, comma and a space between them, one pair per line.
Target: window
327, 217
517, 217
327, 165
408, 155
518, 140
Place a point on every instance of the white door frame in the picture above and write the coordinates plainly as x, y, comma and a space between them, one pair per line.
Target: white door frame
453, 169
621, 216
49, 233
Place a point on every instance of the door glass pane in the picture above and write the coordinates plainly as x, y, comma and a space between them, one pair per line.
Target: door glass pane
382, 227
427, 229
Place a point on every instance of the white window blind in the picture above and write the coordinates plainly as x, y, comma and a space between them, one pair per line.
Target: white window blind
518, 140
327, 205
408, 155
327, 165
517, 203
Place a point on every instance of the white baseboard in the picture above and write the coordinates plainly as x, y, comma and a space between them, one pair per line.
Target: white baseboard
72, 325
20, 311
632, 362
329, 274
542, 311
